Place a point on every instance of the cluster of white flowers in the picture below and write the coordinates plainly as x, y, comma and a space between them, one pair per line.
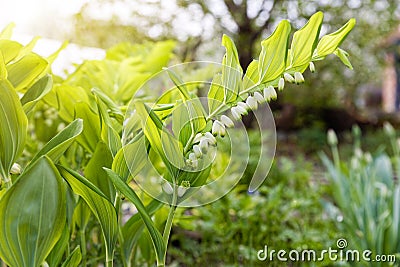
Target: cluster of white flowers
202, 143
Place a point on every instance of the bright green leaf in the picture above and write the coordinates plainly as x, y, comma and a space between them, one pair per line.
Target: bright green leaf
9, 49
101, 207
36, 92
304, 42
32, 215
13, 128
128, 192
6, 33
344, 57
231, 70
328, 43
56, 147
73, 259
94, 170
272, 61
25, 71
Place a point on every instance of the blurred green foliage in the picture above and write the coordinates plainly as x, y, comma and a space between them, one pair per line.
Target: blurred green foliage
287, 212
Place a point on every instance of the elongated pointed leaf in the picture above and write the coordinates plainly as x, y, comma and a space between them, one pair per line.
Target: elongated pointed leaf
130, 159
32, 215
251, 76
13, 128
180, 85
98, 203
10, 49
25, 71
58, 250
6, 33
344, 57
27, 48
166, 146
56, 147
328, 43
3, 69
133, 228
231, 70
92, 128
36, 92
304, 42
272, 61
215, 94
74, 258
94, 170
128, 192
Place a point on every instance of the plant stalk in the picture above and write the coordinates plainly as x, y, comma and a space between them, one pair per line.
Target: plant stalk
168, 224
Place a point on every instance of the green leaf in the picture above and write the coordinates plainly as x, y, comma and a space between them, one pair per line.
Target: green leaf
114, 109
272, 61
64, 98
13, 128
98, 203
36, 92
108, 134
231, 70
132, 229
161, 141
156, 237
180, 85
91, 129
9, 49
53, 56
25, 71
215, 94
56, 147
6, 33
251, 76
94, 170
328, 43
304, 42
344, 57
74, 258
3, 69
58, 251
27, 48
32, 215
130, 159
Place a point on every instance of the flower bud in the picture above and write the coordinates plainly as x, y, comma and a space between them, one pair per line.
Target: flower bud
281, 84
242, 110
288, 77
197, 138
218, 128
185, 185
15, 169
204, 145
259, 97
252, 103
227, 121
332, 138
312, 67
236, 113
192, 161
298, 77
210, 138
243, 107
270, 93
167, 187
197, 151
